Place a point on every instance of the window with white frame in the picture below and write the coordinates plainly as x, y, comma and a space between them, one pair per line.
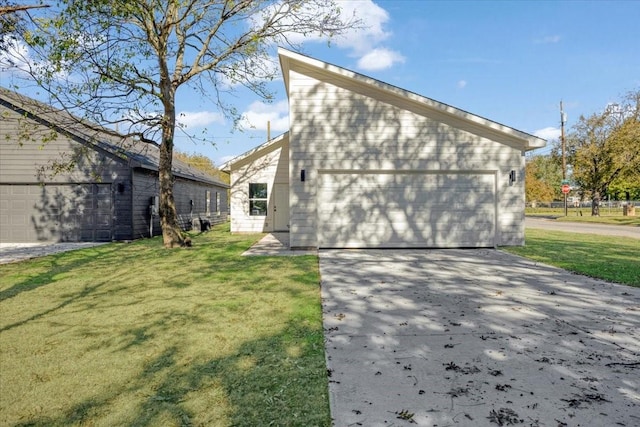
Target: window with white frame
258, 199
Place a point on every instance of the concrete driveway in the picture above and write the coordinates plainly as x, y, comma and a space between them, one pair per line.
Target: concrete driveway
476, 338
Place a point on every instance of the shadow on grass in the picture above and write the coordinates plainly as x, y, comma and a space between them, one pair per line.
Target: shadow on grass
54, 265
599, 257
76, 297
277, 377
48, 270
276, 380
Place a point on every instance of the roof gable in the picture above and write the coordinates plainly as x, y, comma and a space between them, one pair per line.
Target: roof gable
291, 61
138, 154
256, 152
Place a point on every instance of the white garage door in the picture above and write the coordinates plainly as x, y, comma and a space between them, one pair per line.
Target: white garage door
406, 210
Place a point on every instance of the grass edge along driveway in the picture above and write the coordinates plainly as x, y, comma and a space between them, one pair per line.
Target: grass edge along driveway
133, 334
614, 259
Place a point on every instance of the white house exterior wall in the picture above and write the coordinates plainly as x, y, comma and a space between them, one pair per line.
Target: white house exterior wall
343, 125
408, 209
269, 166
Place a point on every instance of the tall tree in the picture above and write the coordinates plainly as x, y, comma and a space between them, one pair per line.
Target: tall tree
126, 61
605, 147
543, 175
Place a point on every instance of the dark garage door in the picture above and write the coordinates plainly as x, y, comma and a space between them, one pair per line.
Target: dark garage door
56, 213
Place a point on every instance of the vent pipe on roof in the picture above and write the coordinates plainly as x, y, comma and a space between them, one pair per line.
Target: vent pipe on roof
268, 130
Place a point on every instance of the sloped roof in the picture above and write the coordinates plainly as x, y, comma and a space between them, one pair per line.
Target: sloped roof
405, 99
257, 151
139, 154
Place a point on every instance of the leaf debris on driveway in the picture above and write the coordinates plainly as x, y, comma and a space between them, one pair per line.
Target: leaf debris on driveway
484, 335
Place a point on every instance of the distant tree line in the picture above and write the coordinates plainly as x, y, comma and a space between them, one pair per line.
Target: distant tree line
603, 158
202, 163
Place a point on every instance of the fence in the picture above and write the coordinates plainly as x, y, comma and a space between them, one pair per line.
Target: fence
577, 207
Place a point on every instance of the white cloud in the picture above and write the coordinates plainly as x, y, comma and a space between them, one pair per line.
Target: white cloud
548, 133
14, 56
360, 40
190, 119
373, 18
259, 113
366, 43
462, 84
17, 59
363, 43
548, 39
379, 59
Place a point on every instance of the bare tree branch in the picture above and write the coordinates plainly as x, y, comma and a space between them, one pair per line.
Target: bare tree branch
125, 61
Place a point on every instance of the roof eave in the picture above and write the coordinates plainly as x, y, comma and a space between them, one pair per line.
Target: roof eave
227, 166
534, 143
284, 67
516, 138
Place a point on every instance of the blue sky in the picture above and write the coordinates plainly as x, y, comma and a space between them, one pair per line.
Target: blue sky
509, 61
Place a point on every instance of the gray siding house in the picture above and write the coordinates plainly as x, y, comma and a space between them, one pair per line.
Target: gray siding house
369, 165
106, 195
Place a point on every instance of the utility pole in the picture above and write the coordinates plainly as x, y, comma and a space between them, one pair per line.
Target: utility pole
563, 119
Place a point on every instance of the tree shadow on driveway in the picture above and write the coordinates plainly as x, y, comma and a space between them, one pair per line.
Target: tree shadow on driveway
476, 337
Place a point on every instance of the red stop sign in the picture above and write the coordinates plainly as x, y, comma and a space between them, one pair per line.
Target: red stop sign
566, 188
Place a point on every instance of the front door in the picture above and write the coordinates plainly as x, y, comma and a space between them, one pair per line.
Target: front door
281, 207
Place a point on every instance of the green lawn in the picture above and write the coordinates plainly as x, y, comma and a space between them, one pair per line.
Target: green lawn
613, 259
134, 334
607, 216
603, 219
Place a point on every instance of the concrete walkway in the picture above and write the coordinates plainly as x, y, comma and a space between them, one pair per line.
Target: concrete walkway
583, 227
275, 244
13, 252
476, 338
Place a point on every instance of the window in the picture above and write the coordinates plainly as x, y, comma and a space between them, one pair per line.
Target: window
258, 199
207, 202
217, 203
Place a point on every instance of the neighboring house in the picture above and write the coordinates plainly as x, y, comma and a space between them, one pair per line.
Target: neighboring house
260, 188
106, 195
367, 164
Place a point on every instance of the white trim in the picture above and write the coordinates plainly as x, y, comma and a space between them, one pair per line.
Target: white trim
496, 219
226, 167
289, 60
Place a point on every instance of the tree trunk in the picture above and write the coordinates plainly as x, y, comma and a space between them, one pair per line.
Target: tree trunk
171, 232
595, 203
